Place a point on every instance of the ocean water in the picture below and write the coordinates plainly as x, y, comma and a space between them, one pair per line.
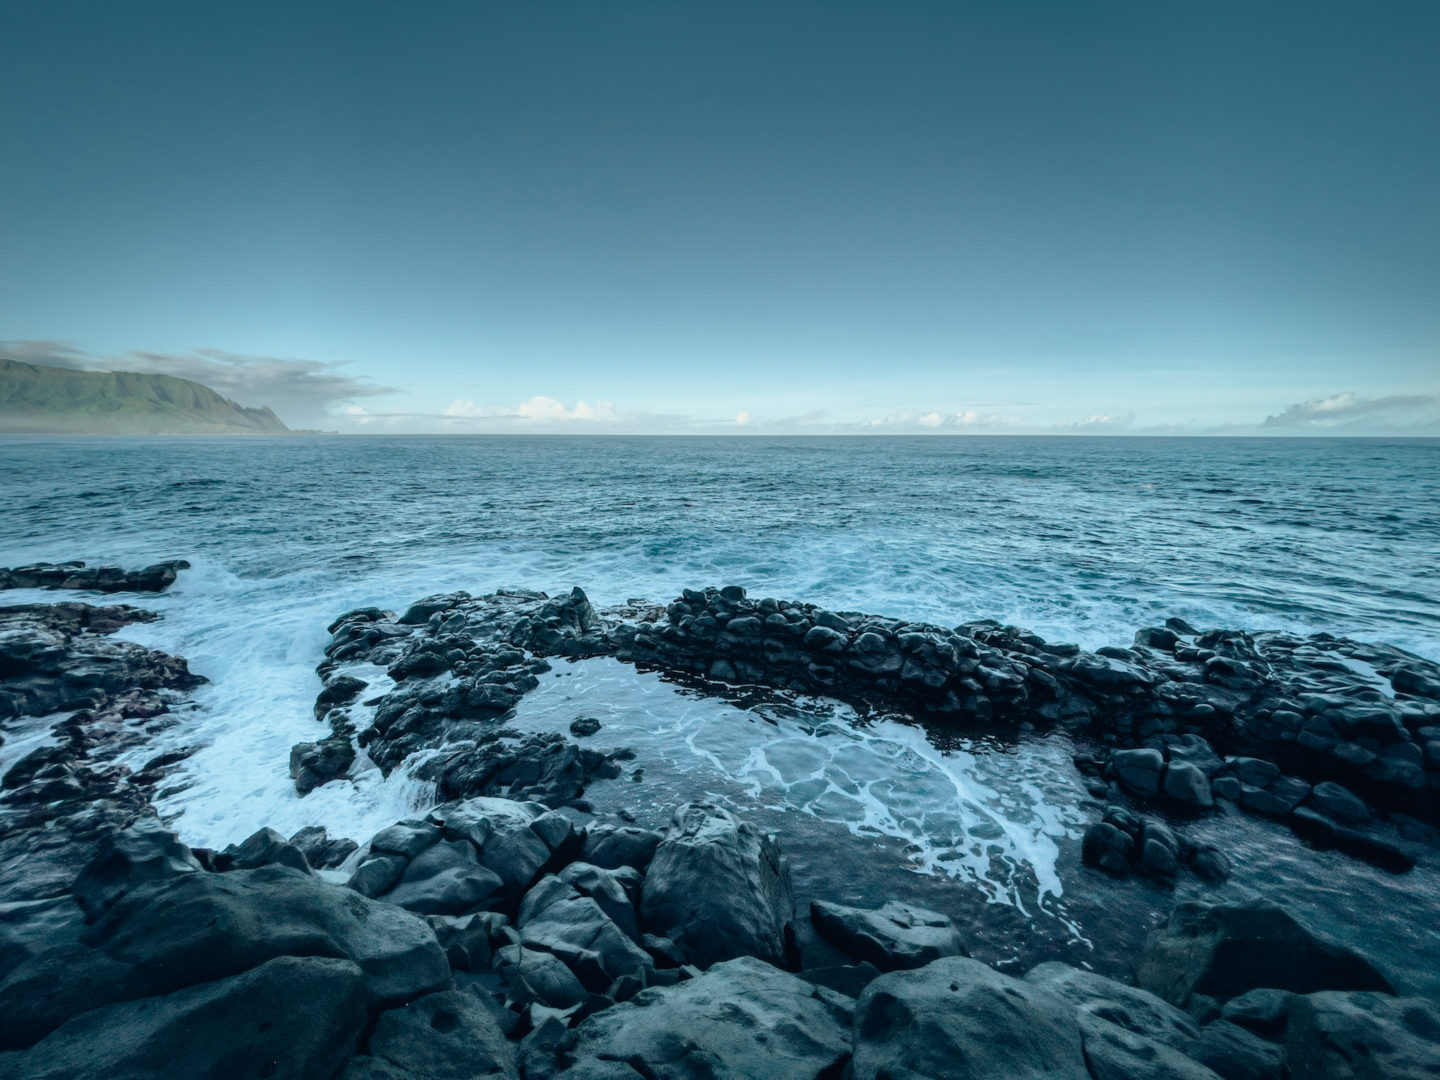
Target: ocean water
1084, 540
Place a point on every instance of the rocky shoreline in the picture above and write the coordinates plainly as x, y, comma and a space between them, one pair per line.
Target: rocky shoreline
510, 932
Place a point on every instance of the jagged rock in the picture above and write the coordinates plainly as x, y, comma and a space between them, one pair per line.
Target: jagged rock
320, 850
1361, 1035
615, 891
742, 1018
897, 935
290, 1017
575, 930
108, 579
264, 847
962, 1020
313, 764
537, 975
340, 690
1222, 950
718, 888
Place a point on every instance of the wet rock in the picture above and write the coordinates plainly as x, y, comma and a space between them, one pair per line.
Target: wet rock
615, 891
1140, 769
320, 850
340, 690
108, 579
1107, 848
1264, 1012
444, 1036
897, 935
1339, 1036
1319, 830
1222, 950
584, 726
718, 888
742, 1018
290, 1017
265, 847
960, 1019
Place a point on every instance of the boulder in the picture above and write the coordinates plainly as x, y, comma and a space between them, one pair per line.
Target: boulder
610, 849
446, 1036
317, 763
199, 927
741, 1019
719, 889
1237, 1054
1139, 770
142, 853
897, 935
1359, 1035
1114, 1002
1187, 783
1339, 803
959, 1019
265, 847
574, 929
1116, 1053
291, 1017
445, 879
1222, 950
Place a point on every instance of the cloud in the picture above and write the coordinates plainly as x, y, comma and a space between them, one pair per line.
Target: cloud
540, 408
303, 392
1345, 409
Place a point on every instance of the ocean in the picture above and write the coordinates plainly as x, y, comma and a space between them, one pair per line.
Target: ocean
1078, 539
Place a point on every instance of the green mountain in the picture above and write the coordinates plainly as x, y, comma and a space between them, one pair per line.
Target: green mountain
50, 400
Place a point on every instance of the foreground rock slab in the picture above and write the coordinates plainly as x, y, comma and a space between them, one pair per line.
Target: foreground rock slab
742, 1019
962, 1020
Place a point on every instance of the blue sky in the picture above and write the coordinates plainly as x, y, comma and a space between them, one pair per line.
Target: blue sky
736, 217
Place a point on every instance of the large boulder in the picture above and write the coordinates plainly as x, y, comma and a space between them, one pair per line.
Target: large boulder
1219, 951
741, 1019
959, 1019
1116, 1053
897, 935
1362, 1035
1129, 1007
719, 888
291, 1018
447, 1036
575, 929
144, 852
195, 928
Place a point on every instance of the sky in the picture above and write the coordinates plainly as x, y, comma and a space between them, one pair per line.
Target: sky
735, 218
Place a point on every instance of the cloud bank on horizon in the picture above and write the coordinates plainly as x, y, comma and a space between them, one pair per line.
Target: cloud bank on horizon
309, 393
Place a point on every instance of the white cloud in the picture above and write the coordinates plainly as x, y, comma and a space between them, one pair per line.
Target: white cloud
742, 418
1345, 408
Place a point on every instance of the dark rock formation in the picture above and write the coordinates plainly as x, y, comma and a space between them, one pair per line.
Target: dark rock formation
1219, 951
719, 889
106, 579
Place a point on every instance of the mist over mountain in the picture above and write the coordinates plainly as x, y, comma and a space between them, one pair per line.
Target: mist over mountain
35, 399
